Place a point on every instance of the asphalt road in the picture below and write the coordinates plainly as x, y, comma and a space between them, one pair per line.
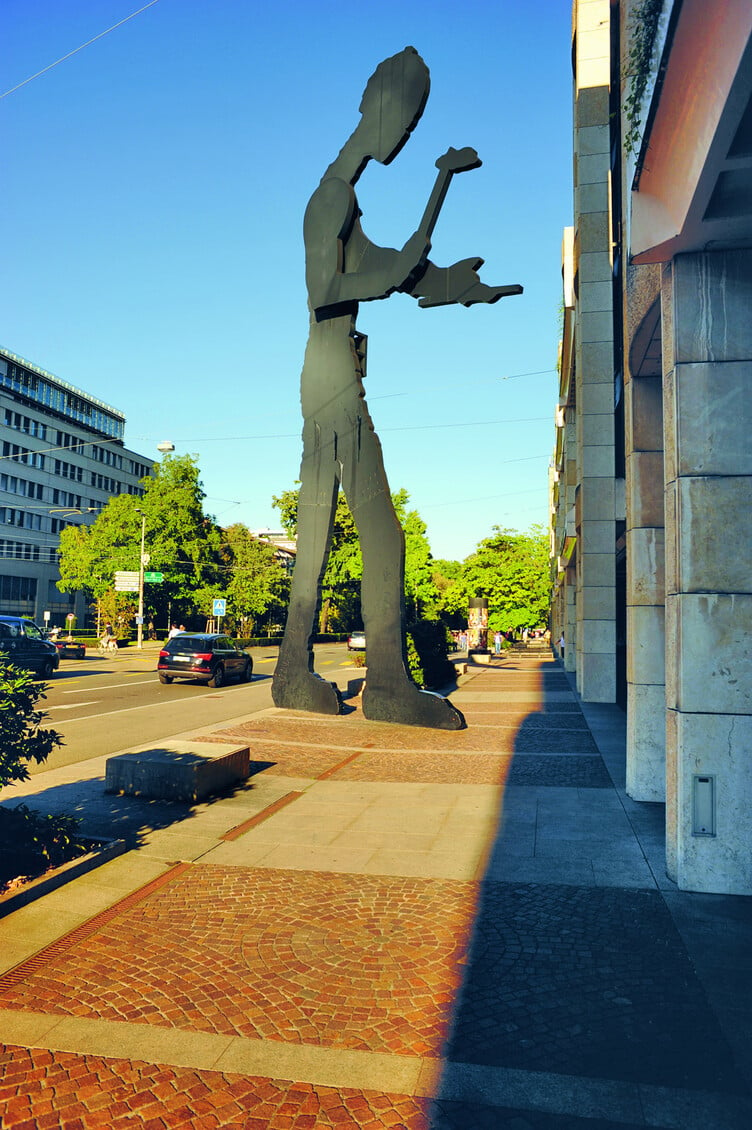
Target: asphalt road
101, 706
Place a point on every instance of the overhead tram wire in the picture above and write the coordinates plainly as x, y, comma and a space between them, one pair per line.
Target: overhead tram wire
76, 50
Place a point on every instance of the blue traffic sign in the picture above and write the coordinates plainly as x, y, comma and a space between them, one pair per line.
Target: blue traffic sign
219, 607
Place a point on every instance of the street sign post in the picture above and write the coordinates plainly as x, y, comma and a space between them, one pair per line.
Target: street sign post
126, 581
154, 578
219, 607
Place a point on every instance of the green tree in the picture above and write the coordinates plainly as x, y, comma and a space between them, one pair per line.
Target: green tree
451, 599
340, 599
421, 592
182, 542
257, 582
512, 570
340, 587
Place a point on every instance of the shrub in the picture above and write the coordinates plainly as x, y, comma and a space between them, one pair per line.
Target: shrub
427, 654
22, 739
31, 842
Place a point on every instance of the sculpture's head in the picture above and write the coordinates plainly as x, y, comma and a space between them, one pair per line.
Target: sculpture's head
392, 104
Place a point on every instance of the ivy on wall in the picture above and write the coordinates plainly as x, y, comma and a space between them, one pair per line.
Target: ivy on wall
643, 26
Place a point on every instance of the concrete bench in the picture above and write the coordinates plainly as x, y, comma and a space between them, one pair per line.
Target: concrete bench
186, 771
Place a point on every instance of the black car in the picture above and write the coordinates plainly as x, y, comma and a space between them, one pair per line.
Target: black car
207, 657
68, 649
22, 643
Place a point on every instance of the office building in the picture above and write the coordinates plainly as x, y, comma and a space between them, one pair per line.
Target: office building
62, 458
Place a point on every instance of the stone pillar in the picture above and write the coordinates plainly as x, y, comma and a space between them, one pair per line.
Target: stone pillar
646, 673
595, 640
708, 470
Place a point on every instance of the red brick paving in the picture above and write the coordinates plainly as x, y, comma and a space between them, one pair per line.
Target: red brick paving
334, 740
361, 962
63, 1090
428, 768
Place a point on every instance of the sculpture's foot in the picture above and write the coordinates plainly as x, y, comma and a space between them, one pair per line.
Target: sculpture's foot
407, 705
302, 690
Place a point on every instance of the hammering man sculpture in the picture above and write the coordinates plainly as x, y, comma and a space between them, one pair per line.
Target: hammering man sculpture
340, 446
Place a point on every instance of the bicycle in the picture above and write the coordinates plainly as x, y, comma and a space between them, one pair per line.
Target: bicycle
107, 646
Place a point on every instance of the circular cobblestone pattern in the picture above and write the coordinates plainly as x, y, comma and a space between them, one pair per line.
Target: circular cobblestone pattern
362, 962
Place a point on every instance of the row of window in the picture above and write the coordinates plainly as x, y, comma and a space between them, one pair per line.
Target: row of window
12, 484
26, 551
67, 498
108, 456
59, 399
25, 424
69, 470
24, 519
23, 455
17, 588
103, 482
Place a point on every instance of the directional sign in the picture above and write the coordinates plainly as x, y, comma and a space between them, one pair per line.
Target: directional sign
154, 578
219, 607
126, 581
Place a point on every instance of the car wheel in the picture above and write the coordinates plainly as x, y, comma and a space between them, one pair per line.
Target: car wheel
165, 678
218, 677
245, 676
47, 669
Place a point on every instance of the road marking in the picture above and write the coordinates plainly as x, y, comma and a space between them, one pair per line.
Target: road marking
129, 709
73, 705
108, 687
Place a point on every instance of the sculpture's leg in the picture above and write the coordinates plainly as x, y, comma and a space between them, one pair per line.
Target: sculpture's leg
295, 685
390, 695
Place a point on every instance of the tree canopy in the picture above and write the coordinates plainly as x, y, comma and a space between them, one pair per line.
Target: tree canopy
511, 570
340, 588
198, 561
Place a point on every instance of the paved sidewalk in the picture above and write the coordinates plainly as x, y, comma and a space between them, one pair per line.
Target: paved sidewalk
386, 927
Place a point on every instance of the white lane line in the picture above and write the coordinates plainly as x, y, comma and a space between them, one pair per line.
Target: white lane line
72, 705
126, 710
108, 687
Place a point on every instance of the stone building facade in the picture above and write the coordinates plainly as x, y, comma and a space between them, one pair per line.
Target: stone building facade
651, 515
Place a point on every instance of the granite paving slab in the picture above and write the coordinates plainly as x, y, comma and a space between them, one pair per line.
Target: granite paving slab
587, 981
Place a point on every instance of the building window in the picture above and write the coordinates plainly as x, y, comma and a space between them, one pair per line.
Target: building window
17, 589
23, 455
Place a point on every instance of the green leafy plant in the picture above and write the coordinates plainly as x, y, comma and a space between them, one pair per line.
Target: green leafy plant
22, 738
427, 657
643, 30
29, 841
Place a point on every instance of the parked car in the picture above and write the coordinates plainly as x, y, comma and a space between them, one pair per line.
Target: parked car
70, 649
356, 641
22, 643
207, 657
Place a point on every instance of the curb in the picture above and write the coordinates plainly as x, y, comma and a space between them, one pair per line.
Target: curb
59, 876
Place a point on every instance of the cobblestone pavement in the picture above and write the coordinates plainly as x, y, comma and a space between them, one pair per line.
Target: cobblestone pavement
304, 955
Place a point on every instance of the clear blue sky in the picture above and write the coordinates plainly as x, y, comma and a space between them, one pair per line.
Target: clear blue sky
153, 194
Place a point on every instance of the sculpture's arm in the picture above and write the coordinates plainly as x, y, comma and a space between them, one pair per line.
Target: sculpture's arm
342, 266
458, 284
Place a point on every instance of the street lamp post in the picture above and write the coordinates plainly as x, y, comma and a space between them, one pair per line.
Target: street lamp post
140, 617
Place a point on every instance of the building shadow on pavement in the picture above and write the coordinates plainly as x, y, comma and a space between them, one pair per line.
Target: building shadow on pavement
578, 992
